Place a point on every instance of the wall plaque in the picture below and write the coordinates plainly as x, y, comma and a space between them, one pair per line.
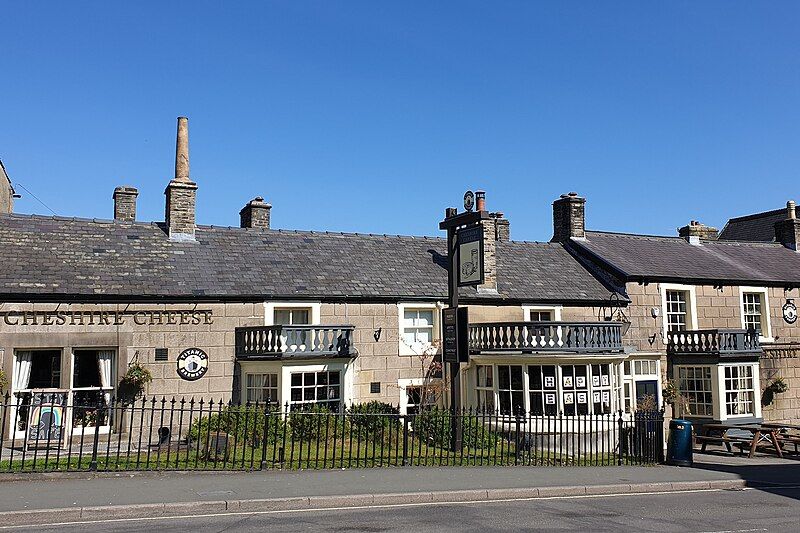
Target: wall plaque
192, 364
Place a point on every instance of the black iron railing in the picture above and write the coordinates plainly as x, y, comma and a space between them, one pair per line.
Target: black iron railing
275, 342
713, 342
161, 434
532, 337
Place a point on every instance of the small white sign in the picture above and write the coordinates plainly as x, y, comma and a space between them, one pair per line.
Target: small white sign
606, 397
595, 381
582, 397
549, 382
580, 382
605, 381
569, 398
596, 397
549, 399
567, 382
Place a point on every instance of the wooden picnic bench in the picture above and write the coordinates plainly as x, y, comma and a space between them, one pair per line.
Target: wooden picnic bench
783, 434
759, 435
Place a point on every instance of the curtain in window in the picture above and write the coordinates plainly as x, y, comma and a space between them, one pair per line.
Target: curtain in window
22, 371
104, 358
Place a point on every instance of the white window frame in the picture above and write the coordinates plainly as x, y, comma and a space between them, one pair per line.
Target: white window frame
419, 348
614, 386
722, 392
403, 384
766, 333
630, 379
691, 305
716, 412
246, 388
554, 309
285, 371
270, 307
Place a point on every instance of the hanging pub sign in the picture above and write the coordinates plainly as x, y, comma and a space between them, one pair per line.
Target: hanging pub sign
470, 255
192, 364
790, 311
46, 418
455, 325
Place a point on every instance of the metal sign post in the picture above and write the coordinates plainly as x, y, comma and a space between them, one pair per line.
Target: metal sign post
452, 336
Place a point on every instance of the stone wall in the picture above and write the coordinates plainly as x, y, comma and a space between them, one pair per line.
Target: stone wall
784, 407
134, 341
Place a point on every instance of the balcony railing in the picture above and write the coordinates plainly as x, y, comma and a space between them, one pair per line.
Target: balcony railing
713, 342
277, 342
532, 337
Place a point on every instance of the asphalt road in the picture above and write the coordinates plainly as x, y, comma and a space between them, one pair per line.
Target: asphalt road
730, 511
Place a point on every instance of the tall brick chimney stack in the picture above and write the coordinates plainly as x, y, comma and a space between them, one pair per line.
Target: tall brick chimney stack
696, 231
125, 203
255, 214
181, 192
569, 218
787, 232
489, 284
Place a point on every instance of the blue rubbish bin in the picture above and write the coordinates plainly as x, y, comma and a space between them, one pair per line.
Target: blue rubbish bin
679, 446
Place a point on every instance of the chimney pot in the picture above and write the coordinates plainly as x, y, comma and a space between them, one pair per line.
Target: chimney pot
125, 203
256, 214
480, 200
791, 212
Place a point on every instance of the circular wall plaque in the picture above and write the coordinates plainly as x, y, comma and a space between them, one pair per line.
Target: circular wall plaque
469, 200
790, 311
192, 364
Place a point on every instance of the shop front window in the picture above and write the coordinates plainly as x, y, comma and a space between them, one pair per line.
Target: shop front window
695, 385
510, 389
739, 390
543, 391
485, 387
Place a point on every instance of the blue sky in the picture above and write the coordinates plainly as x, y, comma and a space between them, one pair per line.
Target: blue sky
375, 116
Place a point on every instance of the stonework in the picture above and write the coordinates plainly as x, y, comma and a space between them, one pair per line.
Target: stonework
125, 203
255, 214
569, 217
6, 192
180, 211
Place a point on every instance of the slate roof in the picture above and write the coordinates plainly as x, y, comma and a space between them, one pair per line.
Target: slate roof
756, 227
43, 257
674, 259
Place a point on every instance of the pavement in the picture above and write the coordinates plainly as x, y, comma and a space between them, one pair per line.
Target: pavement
49, 498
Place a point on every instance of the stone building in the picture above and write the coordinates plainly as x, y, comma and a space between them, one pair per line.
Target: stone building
590, 323
720, 312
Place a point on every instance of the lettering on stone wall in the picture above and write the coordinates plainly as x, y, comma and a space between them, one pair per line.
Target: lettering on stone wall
192, 317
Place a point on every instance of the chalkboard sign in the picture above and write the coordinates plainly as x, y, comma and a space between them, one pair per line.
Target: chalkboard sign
46, 417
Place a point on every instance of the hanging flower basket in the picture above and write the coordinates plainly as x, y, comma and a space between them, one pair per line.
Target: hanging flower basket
134, 381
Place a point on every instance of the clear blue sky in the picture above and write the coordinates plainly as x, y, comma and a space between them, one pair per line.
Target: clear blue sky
375, 116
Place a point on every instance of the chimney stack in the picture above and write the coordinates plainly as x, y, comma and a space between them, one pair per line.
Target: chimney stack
7, 193
502, 227
489, 227
696, 231
125, 203
787, 232
569, 218
255, 214
181, 192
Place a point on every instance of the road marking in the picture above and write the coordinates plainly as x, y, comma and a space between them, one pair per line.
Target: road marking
390, 506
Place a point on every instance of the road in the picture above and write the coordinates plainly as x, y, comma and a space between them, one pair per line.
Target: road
742, 511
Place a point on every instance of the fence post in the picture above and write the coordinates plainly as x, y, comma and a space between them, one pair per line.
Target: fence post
621, 438
405, 440
265, 435
518, 423
96, 442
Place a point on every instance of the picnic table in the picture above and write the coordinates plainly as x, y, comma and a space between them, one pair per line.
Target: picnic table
746, 436
787, 433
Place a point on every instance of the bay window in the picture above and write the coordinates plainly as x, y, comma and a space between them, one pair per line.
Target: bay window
696, 386
739, 390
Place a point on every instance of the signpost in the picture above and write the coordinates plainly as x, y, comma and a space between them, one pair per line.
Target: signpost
465, 267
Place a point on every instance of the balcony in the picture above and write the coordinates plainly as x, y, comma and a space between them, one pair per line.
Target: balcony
541, 337
717, 343
294, 342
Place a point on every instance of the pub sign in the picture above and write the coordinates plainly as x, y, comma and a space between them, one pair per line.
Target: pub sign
470, 255
455, 323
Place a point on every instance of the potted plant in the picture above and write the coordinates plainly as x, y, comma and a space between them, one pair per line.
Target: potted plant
3, 381
132, 384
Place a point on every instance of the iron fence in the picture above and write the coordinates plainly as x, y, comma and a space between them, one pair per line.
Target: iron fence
189, 434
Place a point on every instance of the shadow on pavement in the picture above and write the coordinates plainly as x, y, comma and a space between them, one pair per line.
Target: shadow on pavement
764, 473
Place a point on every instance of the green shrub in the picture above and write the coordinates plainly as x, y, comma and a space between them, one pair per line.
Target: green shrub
374, 421
434, 426
245, 423
315, 423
